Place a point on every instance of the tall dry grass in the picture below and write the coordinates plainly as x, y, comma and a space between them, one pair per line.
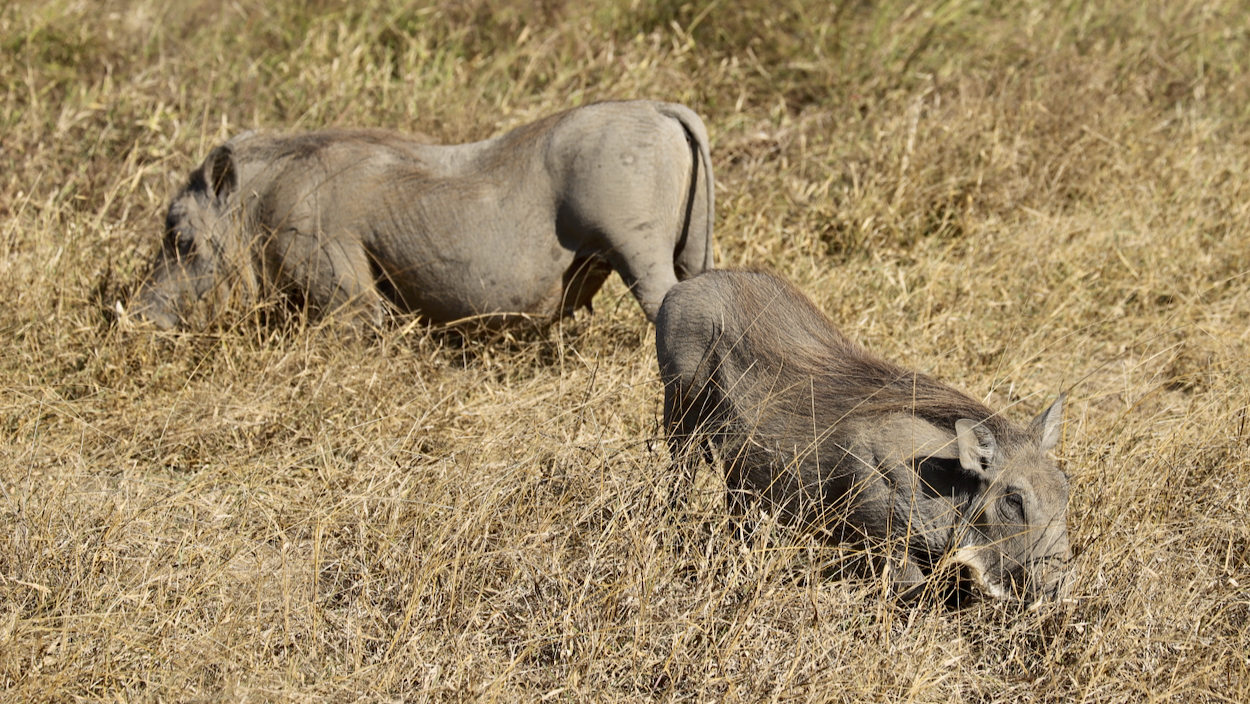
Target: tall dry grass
1017, 197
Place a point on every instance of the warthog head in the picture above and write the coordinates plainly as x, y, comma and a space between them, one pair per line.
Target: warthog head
200, 243
1012, 537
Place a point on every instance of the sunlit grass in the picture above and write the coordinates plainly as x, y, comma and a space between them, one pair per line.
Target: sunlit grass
1016, 197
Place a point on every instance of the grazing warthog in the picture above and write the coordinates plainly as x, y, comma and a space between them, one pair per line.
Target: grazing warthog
832, 438
530, 222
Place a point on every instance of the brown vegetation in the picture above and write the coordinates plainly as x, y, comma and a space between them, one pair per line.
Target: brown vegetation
1014, 197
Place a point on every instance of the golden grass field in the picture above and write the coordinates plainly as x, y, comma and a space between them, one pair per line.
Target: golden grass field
1018, 197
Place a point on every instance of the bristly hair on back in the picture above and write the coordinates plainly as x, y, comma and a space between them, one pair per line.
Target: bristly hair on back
855, 381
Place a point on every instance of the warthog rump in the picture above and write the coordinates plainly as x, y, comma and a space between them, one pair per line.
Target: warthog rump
530, 222
834, 438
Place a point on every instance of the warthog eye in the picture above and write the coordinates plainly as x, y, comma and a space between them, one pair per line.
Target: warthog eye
1014, 504
180, 241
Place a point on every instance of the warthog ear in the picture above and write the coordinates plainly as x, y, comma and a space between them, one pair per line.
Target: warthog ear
1048, 426
976, 445
219, 172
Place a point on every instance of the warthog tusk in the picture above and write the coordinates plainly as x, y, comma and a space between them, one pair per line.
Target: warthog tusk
971, 558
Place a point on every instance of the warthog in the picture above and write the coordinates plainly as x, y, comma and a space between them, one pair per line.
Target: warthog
530, 222
833, 438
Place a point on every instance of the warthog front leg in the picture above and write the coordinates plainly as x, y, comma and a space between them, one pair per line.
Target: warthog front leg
333, 274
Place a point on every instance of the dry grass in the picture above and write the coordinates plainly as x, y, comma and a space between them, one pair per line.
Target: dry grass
1015, 196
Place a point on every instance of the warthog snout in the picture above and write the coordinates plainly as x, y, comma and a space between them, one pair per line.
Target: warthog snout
151, 307
970, 574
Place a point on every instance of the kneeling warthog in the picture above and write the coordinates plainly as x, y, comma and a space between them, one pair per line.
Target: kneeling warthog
832, 438
530, 222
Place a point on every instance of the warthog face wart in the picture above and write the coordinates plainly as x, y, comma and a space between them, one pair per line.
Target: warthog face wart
862, 450
531, 222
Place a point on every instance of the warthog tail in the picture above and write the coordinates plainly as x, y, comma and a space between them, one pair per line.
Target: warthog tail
697, 134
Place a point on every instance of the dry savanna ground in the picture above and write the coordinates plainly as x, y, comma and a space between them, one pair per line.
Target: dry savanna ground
1018, 197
